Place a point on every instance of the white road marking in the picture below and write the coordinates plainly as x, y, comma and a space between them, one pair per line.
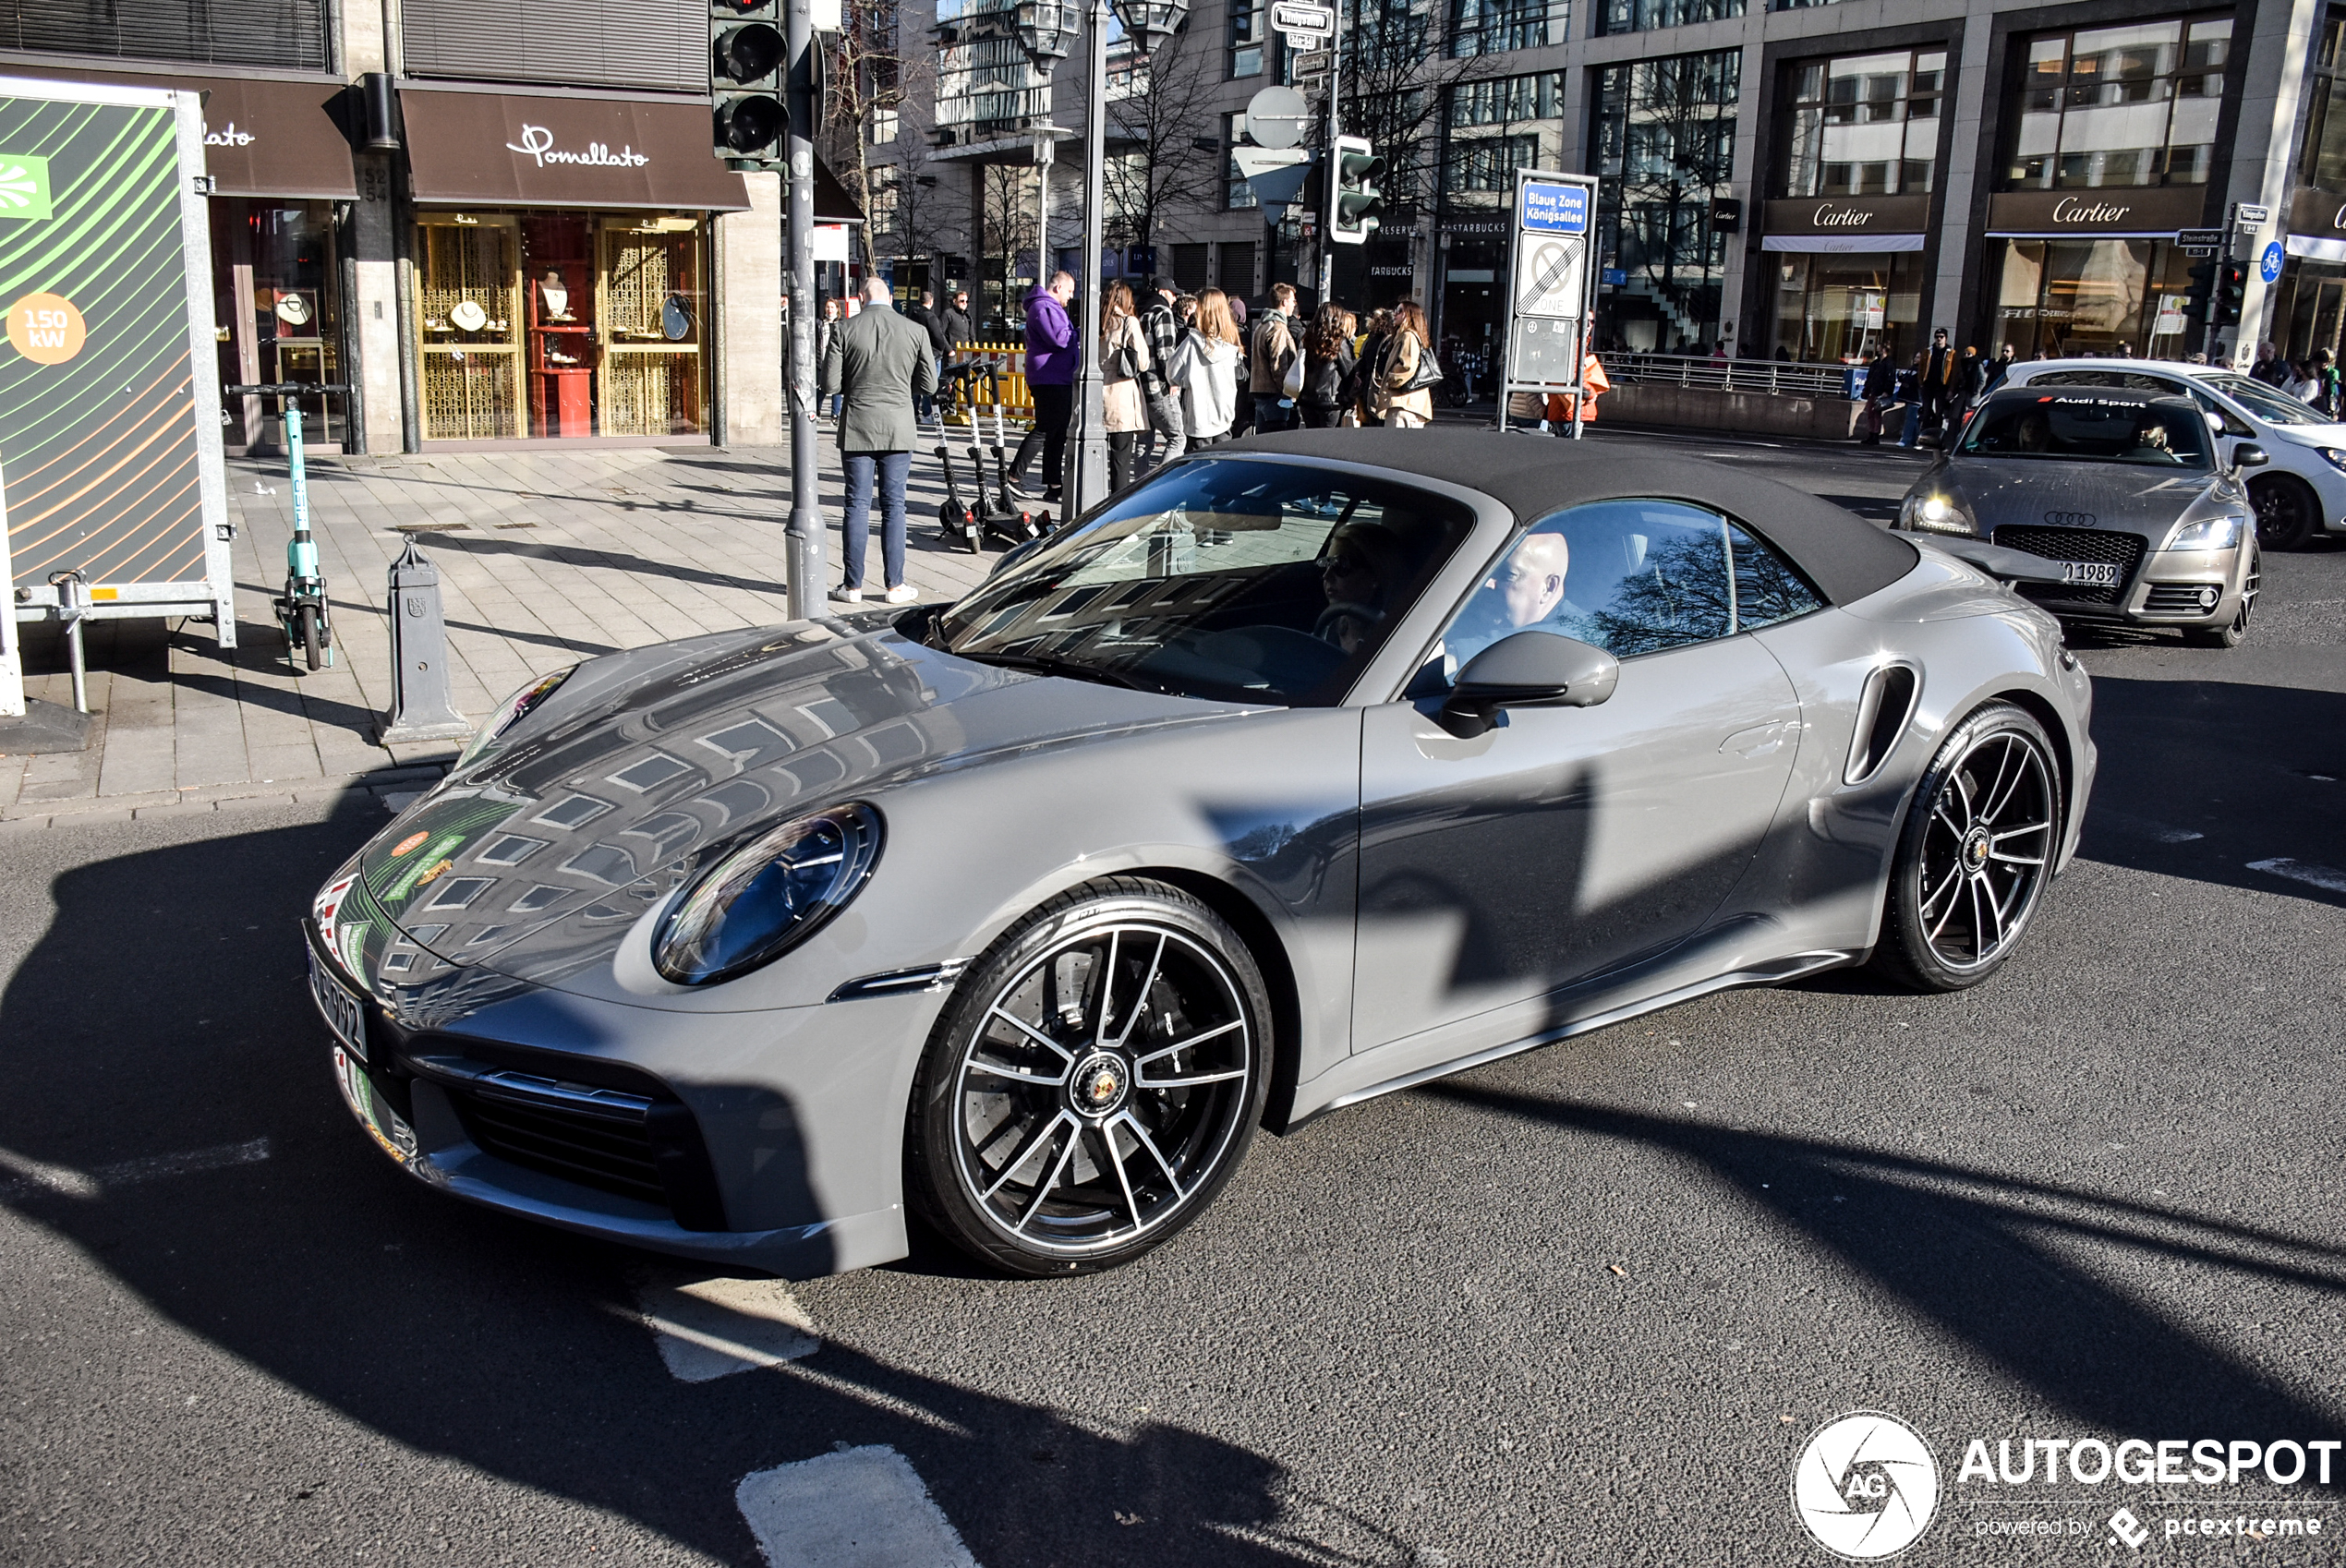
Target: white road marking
32, 1175
857, 1508
713, 1328
2313, 876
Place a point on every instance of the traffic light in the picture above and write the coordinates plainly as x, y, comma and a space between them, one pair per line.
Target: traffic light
2202, 290
748, 64
2232, 293
1359, 205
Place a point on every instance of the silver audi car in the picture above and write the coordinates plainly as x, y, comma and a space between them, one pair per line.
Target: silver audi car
1304, 770
2122, 497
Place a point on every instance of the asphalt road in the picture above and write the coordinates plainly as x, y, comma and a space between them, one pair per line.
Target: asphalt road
1584, 1306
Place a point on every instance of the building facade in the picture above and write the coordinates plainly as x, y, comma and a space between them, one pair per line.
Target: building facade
1779, 179
493, 223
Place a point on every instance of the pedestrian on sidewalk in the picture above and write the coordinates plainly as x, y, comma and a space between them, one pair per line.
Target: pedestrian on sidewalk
1276, 373
1206, 365
1050, 376
1910, 393
1360, 390
1881, 386
1327, 365
1406, 372
1124, 360
880, 363
1998, 369
955, 321
826, 329
1560, 405
924, 316
1161, 322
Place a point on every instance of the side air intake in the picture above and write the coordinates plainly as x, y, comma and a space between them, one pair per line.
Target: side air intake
1883, 712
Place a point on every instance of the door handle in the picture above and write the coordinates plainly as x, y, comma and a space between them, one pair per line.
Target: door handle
1760, 740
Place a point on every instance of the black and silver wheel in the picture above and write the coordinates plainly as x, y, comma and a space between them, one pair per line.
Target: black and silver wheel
312, 635
1974, 854
2287, 511
2234, 632
1093, 1085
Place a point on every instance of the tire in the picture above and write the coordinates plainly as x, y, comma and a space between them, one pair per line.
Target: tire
312, 642
2235, 631
2287, 511
1045, 1136
1975, 853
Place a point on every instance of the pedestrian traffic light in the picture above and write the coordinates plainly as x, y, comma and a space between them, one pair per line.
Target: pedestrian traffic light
1359, 205
748, 61
2232, 293
2202, 290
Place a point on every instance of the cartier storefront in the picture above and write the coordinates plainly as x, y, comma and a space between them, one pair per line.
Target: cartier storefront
2090, 271
558, 265
1847, 274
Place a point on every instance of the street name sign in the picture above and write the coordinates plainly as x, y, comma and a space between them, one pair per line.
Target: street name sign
2200, 239
1301, 19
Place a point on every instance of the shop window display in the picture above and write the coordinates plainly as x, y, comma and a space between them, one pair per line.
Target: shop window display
2064, 298
278, 276
467, 314
1848, 307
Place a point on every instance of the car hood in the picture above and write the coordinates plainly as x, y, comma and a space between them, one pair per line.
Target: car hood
2034, 491
611, 794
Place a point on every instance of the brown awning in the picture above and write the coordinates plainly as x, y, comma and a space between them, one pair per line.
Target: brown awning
263, 137
515, 149
2102, 212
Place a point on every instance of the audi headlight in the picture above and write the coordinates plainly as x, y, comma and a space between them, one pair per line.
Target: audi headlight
2208, 533
2336, 458
511, 711
1936, 513
761, 900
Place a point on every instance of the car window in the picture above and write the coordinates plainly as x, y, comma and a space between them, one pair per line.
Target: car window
2268, 404
1221, 578
2078, 427
1629, 576
2133, 380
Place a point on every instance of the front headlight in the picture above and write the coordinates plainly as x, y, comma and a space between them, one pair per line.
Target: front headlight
767, 896
2208, 533
1936, 513
2336, 458
511, 711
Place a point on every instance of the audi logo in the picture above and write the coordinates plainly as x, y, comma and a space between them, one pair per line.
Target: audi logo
2069, 519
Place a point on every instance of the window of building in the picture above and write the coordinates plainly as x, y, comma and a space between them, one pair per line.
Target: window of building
1487, 163
1506, 100
292, 33
1235, 192
2065, 297
1646, 16
1665, 133
1487, 27
2323, 159
1250, 33
1863, 125
2130, 105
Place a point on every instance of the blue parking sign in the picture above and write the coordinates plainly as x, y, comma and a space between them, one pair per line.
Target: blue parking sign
2268, 268
1555, 209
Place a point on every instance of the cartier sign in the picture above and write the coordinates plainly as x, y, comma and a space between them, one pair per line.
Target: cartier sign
1847, 215
2151, 211
2318, 213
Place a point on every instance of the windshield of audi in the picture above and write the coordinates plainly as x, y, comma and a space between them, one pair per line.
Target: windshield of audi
1230, 579
2091, 425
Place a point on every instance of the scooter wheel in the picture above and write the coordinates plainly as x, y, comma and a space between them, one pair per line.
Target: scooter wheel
971, 540
313, 636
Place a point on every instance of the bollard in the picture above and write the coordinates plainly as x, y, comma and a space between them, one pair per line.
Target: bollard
73, 608
419, 705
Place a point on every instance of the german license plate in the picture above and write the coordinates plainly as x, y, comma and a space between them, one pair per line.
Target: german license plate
343, 1013
382, 1123
2090, 573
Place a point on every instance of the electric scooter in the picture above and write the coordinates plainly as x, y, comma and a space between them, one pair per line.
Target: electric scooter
302, 610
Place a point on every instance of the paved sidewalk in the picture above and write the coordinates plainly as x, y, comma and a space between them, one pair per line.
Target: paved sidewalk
544, 555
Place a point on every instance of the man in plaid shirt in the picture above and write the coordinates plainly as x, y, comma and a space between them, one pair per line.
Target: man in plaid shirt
1163, 329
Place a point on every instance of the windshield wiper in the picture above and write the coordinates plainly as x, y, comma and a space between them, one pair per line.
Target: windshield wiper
1051, 664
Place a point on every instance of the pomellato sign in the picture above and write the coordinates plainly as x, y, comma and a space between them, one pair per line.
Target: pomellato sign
2048, 213
538, 143
1847, 215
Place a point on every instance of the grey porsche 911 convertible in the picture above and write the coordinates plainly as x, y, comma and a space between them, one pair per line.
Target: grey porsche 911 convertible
2120, 496
1303, 770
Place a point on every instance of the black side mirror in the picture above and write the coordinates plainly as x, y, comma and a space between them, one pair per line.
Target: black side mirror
1527, 670
2250, 457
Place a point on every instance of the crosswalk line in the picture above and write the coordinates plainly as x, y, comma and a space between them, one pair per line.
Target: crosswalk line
24, 1175
2308, 872
713, 1328
857, 1508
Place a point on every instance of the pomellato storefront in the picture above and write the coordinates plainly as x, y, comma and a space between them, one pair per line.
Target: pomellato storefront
558, 265
1847, 274
2088, 271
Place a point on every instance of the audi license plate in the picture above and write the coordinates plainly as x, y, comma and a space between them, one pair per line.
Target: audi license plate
343, 1013
2090, 573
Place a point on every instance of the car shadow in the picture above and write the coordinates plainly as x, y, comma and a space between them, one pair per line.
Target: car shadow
513, 1350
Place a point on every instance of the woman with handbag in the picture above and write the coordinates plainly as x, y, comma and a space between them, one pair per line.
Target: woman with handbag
1207, 364
1406, 371
1124, 358
1327, 362
1359, 387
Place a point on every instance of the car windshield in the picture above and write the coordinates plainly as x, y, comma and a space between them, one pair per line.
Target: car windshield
2079, 426
2268, 404
1220, 578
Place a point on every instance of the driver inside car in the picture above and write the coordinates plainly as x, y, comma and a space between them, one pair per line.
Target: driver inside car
2150, 444
1527, 591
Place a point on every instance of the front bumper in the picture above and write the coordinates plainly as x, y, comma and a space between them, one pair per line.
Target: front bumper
2169, 589
771, 1140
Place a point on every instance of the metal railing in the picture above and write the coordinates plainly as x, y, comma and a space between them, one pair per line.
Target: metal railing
1773, 376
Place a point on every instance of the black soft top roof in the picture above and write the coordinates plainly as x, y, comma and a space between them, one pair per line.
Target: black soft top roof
1531, 475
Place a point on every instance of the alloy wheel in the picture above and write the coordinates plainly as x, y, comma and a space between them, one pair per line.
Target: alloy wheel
1101, 1089
1985, 849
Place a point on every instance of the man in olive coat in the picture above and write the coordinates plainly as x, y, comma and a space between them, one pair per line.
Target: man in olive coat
881, 362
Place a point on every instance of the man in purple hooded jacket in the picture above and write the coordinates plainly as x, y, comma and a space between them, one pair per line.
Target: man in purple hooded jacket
1051, 359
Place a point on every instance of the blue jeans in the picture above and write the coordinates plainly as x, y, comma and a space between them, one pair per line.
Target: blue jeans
1269, 416
1913, 423
894, 468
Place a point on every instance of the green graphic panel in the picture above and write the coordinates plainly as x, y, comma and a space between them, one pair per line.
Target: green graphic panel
100, 454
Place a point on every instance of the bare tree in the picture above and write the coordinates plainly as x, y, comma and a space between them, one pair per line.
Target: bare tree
1668, 127
870, 73
1155, 126
1010, 228
1399, 69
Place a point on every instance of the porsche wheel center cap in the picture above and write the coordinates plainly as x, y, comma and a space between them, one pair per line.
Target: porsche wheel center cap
1975, 845
1099, 1084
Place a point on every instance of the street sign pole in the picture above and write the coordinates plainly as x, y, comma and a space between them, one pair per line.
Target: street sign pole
1549, 293
1328, 176
804, 531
